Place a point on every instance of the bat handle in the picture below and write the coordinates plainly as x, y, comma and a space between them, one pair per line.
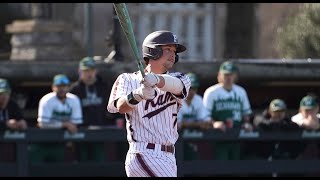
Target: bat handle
141, 70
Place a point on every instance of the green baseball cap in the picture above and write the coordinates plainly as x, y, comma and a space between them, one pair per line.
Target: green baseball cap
87, 63
277, 105
228, 67
194, 80
60, 79
4, 86
308, 102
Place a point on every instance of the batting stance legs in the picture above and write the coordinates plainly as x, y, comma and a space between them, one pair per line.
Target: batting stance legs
150, 163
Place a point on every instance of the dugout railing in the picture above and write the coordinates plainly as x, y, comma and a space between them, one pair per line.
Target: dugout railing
22, 168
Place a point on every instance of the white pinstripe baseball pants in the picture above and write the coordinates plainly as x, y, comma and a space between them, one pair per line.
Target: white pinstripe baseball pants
143, 162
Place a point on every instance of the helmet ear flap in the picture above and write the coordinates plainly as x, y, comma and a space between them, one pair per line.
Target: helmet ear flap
156, 52
176, 58
152, 53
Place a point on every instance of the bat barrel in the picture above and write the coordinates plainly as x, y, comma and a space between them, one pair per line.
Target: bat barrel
126, 26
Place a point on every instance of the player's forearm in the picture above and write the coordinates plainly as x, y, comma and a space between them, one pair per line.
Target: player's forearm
126, 103
246, 118
206, 124
170, 84
52, 124
123, 106
189, 124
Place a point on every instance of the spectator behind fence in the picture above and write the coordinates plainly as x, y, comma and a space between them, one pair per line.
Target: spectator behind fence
57, 110
91, 89
309, 121
193, 115
11, 118
276, 120
229, 107
93, 97
298, 118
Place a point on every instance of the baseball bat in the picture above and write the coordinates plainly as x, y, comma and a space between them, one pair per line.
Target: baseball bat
126, 26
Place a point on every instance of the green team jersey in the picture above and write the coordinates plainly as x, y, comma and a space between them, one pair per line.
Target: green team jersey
223, 104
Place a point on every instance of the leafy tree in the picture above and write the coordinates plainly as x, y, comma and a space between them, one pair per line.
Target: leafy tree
300, 37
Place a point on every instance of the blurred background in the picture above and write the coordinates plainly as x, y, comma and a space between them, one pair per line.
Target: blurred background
275, 45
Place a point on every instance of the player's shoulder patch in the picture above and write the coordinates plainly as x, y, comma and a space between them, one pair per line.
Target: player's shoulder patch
177, 74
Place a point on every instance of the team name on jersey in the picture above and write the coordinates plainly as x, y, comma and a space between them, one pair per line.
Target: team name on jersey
91, 101
162, 99
219, 106
62, 115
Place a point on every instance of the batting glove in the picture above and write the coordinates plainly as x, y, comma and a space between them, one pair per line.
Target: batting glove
150, 79
144, 92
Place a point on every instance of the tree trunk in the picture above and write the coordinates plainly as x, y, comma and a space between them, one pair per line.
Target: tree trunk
240, 28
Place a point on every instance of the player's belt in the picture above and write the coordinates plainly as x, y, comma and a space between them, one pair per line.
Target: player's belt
168, 148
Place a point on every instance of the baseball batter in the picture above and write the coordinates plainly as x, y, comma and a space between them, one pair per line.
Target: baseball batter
151, 105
